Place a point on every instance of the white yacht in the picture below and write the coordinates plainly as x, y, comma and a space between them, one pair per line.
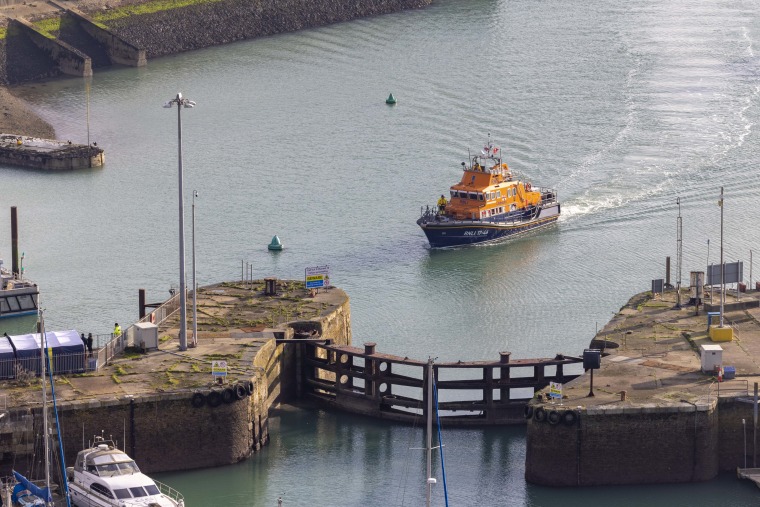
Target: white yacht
104, 476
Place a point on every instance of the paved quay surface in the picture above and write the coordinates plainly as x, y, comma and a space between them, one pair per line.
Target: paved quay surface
651, 351
234, 321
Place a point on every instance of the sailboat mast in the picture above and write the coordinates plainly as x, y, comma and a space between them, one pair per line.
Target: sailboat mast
44, 404
429, 431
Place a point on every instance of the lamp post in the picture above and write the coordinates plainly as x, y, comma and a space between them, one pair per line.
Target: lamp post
180, 103
195, 285
722, 274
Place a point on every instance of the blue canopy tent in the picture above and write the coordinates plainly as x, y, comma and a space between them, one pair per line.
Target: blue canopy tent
27, 349
7, 359
68, 352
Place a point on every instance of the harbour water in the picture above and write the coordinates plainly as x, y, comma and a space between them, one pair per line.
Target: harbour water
624, 108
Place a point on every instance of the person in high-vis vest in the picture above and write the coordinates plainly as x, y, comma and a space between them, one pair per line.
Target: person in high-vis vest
441, 205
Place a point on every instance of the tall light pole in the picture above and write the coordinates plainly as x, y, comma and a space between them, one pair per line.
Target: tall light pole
722, 274
679, 245
195, 285
180, 103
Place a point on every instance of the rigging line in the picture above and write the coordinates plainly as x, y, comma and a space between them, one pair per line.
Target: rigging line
440, 444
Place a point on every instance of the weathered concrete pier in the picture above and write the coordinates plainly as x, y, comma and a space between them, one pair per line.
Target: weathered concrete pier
655, 416
48, 154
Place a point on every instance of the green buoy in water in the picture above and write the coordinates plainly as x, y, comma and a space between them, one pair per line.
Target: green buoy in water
275, 245
390, 100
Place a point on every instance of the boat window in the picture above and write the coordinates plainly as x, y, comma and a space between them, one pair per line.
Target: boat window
480, 197
498, 193
99, 488
122, 493
152, 489
473, 195
128, 468
138, 491
108, 470
453, 193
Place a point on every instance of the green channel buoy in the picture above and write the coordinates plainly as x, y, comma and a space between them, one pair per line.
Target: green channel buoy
276, 244
390, 100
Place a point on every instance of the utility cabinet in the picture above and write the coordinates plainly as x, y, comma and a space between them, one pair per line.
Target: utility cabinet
146, 335
712, 357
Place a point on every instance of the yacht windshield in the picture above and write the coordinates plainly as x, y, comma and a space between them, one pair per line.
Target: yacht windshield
138, 491
122, 493
152, 489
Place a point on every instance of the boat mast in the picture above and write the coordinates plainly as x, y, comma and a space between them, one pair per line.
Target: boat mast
429, 430
44, 406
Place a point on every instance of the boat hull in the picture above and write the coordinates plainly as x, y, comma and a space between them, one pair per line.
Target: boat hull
443, 232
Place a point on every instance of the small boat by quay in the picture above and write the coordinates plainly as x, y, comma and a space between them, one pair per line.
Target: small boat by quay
488, 204
104, 476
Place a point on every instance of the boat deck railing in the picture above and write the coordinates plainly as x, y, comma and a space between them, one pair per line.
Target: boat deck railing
170, 492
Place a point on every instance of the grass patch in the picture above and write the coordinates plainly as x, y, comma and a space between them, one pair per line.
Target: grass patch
165, 338
146, 8
49, 26
116, 379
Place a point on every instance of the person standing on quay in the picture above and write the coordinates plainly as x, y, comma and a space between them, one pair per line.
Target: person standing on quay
89, 343
116, 330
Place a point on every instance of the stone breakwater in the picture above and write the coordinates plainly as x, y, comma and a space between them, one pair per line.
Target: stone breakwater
207, 24
163, 28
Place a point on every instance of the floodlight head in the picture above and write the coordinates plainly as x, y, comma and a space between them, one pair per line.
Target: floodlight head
432, 480
168, 104
179, 96
188, 103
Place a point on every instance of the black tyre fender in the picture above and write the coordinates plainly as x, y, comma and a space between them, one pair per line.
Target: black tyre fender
240, 391
214, 399
249, 387
553, 417
528, 412
198, 400
228, 395
569, 418
539, 414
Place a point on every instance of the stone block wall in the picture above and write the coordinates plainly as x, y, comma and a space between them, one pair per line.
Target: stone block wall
625, 446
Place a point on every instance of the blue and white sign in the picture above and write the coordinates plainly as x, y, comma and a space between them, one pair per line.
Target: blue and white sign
317, 277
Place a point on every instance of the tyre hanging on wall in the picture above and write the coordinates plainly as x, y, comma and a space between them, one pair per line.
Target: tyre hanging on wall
240, 391
540, 414
528, 412
198, 400
214, 399
249, 387
569, 417
553, 417
228, 395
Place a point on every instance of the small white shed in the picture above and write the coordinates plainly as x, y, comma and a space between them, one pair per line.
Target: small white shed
712, 357
146, 335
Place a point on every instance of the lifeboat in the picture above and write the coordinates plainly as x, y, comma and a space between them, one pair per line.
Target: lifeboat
488, 204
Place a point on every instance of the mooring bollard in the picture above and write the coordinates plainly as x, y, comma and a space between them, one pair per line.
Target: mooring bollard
623, 395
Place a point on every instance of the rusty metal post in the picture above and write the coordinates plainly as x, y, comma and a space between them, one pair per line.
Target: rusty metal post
14, 242
504, 373
141, 302
667, 272
370, 369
